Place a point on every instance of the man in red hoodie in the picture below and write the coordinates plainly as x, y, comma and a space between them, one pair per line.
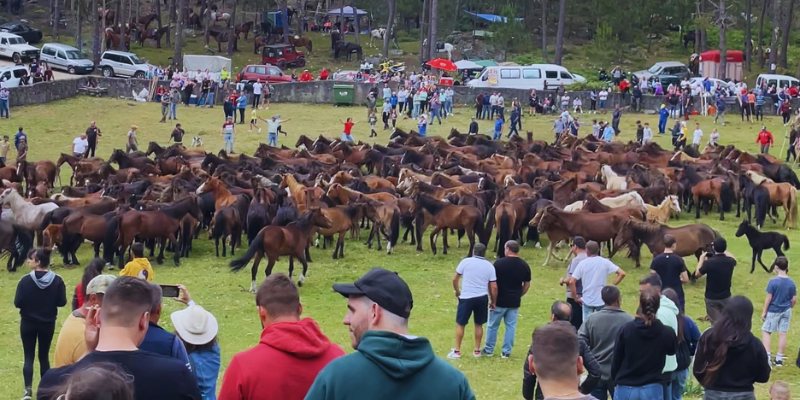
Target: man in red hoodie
764, 139
290, 354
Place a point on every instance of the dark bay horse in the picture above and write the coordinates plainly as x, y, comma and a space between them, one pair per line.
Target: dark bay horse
691, 239
298, 41
17, 241
445, 216
226, 224
275, 241
760, 241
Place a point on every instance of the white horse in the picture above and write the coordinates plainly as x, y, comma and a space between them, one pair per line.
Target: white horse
26, 214
630, 199
448, 48
612, 180
376, 34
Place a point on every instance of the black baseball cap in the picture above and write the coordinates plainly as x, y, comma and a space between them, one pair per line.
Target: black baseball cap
382, 286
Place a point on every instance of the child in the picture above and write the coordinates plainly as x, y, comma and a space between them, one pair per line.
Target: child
140, 266
780, 391
647, 133
372, 121
347, 130
394, 118
4, 149
777, 313
595, 129
254, 119
714, 138
698, 135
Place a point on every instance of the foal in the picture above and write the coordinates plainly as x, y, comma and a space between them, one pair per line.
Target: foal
759, 241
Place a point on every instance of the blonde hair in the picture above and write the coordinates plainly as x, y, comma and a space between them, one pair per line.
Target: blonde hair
780, 391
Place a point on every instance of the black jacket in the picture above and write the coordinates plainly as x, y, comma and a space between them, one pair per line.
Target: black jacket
746, 362
40, 304
640, 353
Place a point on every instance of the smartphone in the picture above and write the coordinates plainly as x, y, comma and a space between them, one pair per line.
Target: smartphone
170, 290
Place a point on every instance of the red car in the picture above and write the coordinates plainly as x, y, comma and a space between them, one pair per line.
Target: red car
264, 73
282, 55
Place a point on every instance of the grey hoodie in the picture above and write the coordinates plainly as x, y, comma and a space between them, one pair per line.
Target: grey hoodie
600, 331
44, 281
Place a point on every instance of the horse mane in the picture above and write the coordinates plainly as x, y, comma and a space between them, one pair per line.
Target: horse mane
640, 227
429, 203
594, 205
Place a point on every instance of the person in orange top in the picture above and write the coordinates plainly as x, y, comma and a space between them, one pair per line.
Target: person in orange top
306, 76
323, 75
764, 139
751, 102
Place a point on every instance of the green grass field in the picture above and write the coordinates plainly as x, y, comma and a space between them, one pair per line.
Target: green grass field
51, 128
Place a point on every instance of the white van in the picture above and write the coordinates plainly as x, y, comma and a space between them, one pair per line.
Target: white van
780, 81
534, 76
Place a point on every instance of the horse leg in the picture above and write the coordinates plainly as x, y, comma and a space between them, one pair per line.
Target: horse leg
471, 236
302, 277
254, 271
696, 201
216, 245
377, 229
444, 241
160, 258
762, 263
433, 237
340, 245
308, 253
753, 265
550, 250
291, 266
718, 199
224, 247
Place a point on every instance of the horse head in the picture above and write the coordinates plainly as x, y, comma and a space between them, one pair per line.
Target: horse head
674, 203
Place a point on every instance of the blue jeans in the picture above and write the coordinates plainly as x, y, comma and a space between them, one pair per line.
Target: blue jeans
487, 109
588, 310
210, 99
228, 138
173, 111
272, 139
497, 135
448, 107
509, 316
653, 391
347, 138
415, 111
679, 383
436, 114
201, 101
4, 108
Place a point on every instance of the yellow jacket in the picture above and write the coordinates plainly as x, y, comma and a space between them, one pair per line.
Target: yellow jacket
139, 268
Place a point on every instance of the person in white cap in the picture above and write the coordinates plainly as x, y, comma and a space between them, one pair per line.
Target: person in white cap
197, 329
71, 345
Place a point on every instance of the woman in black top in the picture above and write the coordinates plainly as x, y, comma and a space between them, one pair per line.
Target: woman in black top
39, 294
641, 351
729, 358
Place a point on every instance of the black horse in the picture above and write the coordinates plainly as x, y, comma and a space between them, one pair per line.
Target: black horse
754, 195
759, 241
347, 49
689, 37
17, 241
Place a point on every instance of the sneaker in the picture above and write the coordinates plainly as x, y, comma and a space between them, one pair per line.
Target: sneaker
476, 353
486, 353
778, 362
454, 354
505, 355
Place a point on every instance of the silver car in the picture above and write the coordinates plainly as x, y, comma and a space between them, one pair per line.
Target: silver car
113, 63
67, 58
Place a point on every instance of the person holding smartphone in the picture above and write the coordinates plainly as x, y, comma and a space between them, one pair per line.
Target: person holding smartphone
157, 339
718, 265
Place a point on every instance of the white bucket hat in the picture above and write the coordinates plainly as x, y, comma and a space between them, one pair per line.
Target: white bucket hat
195, 325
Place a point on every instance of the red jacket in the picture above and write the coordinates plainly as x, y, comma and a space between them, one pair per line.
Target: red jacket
282, 366
306, 77
764, 137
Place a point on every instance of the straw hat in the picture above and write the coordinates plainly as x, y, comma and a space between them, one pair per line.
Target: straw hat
195, 325
134, 127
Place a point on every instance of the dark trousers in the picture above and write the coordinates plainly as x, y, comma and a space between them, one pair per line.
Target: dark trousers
256, 100
603, 389
385, 118
241, 115
91, 149
576, 318
32, 332
409, 103
791, 154
478, 111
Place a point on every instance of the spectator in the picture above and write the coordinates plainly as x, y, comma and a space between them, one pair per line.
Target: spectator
718, 266
558, 127
4, 106
133, 142
647, 134
228, 128
477, 294
197, 330
515, 120
70, 345
663, 114
175, 99
640, 352
80, 146
166, 100
713, 139
22, 150
157, 339
422, 125
668, 315
257, 88
697, 136
323, 75
780, 391
39, 295
289, 355
241, 105
616, 116
92, 133
4, 150
559, 315
777, 314
578, 249
603, 97
671, 268
101, 380
764, 139
498, 127
139, 266
608, 133
600, 332
513, 281
688, 336
19, 136
729, 358
592, 272
273, 126
372, 121
114, 333
388, 360
306, 76
473, 127
555, 361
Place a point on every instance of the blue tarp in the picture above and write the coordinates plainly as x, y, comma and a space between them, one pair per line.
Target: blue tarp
490, 17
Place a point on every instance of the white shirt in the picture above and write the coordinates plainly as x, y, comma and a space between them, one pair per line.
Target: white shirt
603, 95
647, 135
698, 135
592, 272
714, 138
493, 100
476, 273
79, 145
257, 88
501, 101
272, 126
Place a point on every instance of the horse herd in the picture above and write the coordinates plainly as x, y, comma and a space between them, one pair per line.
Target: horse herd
285, 200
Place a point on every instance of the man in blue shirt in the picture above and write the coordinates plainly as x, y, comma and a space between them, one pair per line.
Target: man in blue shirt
663, 114
777, 314
157, 339
19, 136
558, 127
720, 103
608, 133
498, 127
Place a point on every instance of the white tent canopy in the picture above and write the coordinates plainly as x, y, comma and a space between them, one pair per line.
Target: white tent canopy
211, 64
348, 11
467, 64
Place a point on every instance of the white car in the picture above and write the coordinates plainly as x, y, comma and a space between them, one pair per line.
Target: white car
121, 63
16, 48
534, 76
10, 76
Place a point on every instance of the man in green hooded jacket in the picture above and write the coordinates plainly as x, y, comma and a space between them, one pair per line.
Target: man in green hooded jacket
388, 362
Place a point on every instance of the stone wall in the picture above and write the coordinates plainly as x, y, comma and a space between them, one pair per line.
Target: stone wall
44, 92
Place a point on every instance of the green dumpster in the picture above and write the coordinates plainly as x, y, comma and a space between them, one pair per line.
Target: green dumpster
343, 94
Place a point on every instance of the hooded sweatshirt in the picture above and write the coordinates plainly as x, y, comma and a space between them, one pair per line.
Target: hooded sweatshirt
39, 294
390, 366
282, 366
668, 315
139, 268
640, 352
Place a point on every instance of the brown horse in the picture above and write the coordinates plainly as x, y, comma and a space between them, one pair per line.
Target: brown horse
154, 34
383, 215
600, 227
222, 195
691, 239
226, 223
245, 28
221, 36
298, 41
303, 197
719, 190
37, 171
445, 216
117, 41
275, 241
79, 226
504, 215
343, 219
345, 195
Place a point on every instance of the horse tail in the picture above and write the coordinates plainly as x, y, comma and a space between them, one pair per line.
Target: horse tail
786, 243
218, 230
23, 242
186, 236
503, 233
254, 247
480, 231
394, 228
111, 238
727, 195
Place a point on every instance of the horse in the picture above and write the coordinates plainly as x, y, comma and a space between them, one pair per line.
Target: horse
780, 194
144, 20
661, 213
80, 225
445, 216
343, 219
226, 223
303, 197
347, 49
612, 179
221, 36
505, 217
376, 34
719, 190
154, 34
245, 28
757, 195
275, 241
630, 199
258, 213
691, 239
17, 241
383, 215
298, 41
27, 215
600, 227
759, 241
117, 41
38, 171
447, 48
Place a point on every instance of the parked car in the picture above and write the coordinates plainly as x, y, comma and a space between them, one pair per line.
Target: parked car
264, 73
67, 58
10, 76
122, 63
282, 55
534, 76
659, 69
31, 35
779, 81
715, 83
15, 48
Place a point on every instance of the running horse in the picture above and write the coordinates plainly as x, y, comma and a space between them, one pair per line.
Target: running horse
27, 215
275, 241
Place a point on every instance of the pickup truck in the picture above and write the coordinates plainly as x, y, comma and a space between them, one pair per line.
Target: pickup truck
16, 48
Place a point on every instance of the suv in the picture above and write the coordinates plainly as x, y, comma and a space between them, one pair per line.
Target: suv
114, 63
16, 48
265, 73
664, 68
65, 57
10, 76
282, 55
23, 30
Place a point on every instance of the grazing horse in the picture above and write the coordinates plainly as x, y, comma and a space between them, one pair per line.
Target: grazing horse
691, 239
17, 241
661, 213
298, 41
245, 28
759, 241
445, 216
612, 179
226, 223
275, 241
27, 215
